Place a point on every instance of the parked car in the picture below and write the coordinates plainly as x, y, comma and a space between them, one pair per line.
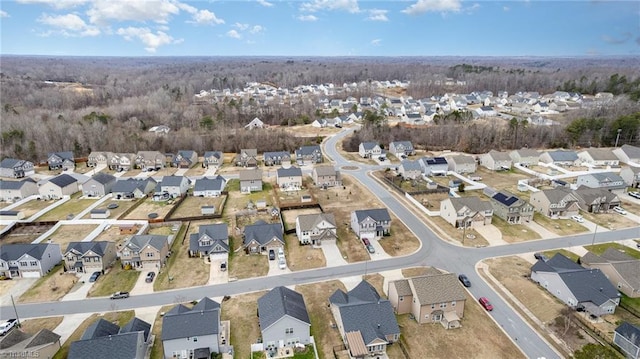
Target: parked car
371, 249
635, 194
464, 280
484, 302
619, 210
7, 326
113, 206
540, 257
280, 252
272, 254
381, 159
577, 218
94, 276
119, 295
150, 277
223, 266
282, 264
366, 241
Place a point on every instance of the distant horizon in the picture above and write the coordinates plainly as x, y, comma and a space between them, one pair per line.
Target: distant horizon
320, 28
334, 56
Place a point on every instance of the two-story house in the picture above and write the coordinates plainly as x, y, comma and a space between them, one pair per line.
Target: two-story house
496, 160
98, 185
434, 166
628, 154
185, 159
61, 160
13, 168
150, 160
279, 158
209, 187
212, 159
250, 180
121, 162
622, 270
145, 251
248, 157
289, 179
461, 164
401, 149
211, 239
58, 187
369, 150
307, 155
555, 203
627, 337
410, 170
525, 157
315, 228
105, 340
99, 158
631, 176
260, 237
598, 157
596, 200
466, 212
171, 187
510, 208
28, 260
17, 190
560, 157
131, 188
609, 181
430, 299
89, 257
326, 176
284, 320
371, 223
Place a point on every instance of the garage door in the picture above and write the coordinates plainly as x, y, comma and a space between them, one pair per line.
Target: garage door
149, 265
30, 274
218, 256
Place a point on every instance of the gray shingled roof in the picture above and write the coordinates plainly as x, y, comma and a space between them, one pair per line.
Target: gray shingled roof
103, 178
627, 266
474, 203
562, 155
218, 232
11, 252
280, 302
250, 175
13, 185
115, 346
601, 154
499, 156
309, 221
325, 170
377, 214
137, 325
276, 155
262, 232
589, 195
292, 171
555, 195
461, 159
100, 328
409, 165
98, 247
606, 177
368, 146
630, 332
155, 241
9, 163
527, 152
216, 154
308, 150
440, 288
181, 323
63, 180
172, 180
632, 152
211, 184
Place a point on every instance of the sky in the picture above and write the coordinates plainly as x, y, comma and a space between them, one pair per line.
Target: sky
320, 28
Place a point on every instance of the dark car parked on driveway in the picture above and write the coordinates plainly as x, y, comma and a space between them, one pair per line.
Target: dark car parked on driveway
272, 255
94, 277
150, 277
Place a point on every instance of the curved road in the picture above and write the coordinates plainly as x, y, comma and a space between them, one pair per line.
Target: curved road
433, 252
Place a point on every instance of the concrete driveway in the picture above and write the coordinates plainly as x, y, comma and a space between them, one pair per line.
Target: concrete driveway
543, 232
274, 268
492, 234
141, 286
18, 287
81, 289
216, 275
332, 254
380, 252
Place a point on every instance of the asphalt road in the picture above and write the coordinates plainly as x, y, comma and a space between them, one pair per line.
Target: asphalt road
433, 252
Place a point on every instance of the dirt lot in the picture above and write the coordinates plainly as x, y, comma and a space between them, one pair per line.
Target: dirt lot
191, 206
242, 265
32, 207
196, 170
308, 130
123, 205
609, 220
150, 206
514, 233
51, 287
72, 207
562, 227
241, 311
419, 271
32, 326
301, 257
112, 235
70, 233
289, 216
26, 234
431, 201
292, 197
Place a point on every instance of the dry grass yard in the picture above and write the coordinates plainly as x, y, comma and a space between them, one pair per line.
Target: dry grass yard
51, 287
237, 201
562, 227
112, 235
123, 205
610, 220
289, 216
32, 326
241, 311
26, 234
242, 265
70, 233
419, 271
301, 257
150, 206
191, 206
500, 179
471, 237
116, 279
182, 271
197, 170
431, 201
72, 207
32, 207
513, 233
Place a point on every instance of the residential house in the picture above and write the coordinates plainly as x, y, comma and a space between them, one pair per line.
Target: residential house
410, 170
248, 157
61, 160
598, 157
211, 240
628, 154
13, 168
99, 185
192, 333
578, 287
284, 320
430, 299
525, 157
371, 223
171, 187
307, 155
32, 260
369, 150
99, 158
560, 158
289, 179
622, 270
630, 175
255, 123
121, 162
145, 251
609, 181
434, 166
250, 180
315, 228
150, 160
555, 203
326, 176
366, 321
466, 212
213, 159
103, 340
17, 190
58, 187
209, 187
133, 188
43, 344
596, 200
401, 148
496, 161
510, 208
89, 257
280, 158
185, 159
461, 164
627, 337
260, 237
486, 111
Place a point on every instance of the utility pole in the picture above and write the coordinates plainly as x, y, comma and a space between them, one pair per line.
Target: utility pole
594, 235
618, 137
15, 310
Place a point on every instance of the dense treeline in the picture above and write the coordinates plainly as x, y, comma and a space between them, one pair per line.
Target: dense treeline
110, 103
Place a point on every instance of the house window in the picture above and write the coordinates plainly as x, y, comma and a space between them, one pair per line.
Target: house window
288, 331
443, 305
195, 339
401, 298
149, 254
87, 260
24, 264
126, 253
33, 263
453, 304
433, 306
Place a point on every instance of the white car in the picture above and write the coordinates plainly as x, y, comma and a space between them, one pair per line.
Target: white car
282, 264
635, 194
7, 326
619, 210
577, 218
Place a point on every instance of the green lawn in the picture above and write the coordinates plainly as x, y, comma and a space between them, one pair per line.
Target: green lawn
116, 280
73, 206
630, 302
601, 248
308, 353
574, 257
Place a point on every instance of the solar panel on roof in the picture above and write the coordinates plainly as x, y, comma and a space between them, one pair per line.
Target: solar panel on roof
502, 198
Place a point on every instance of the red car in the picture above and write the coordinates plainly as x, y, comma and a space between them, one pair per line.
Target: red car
484, 302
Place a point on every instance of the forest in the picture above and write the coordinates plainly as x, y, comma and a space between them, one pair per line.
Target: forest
109, 103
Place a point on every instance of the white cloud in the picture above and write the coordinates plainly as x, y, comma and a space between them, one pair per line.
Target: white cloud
264, 3
307, 18
424, 6
206, 17
376, 42
240, 26
472, 8
4, 14
316, 5
150, 40
159, 11
69, 25
234, 34
378, 15
58, 4
256, 29
505, 8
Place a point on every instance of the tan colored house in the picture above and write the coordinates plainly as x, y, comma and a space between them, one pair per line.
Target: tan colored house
89, 257
555, 202
326, 176
436, 298
145, 251
622, 270
260, 237
469, 212
150, 160
58, 187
